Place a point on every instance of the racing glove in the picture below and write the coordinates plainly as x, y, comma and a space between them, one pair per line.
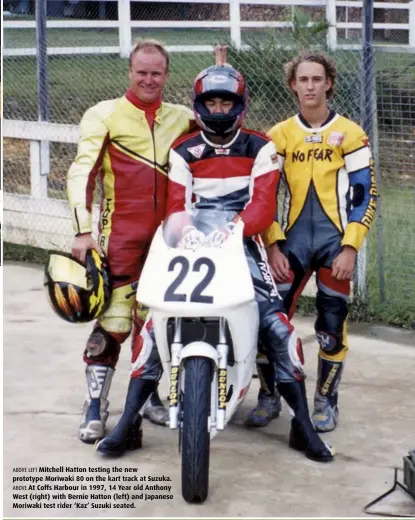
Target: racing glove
191, 238
218, 237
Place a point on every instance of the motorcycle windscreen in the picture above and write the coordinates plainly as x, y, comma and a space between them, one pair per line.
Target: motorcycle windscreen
196, 265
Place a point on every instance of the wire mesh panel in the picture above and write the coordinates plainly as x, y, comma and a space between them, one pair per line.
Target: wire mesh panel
390, 23
395, 92
101, 9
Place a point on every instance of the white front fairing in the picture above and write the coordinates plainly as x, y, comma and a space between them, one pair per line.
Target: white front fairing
230, 286
220, 277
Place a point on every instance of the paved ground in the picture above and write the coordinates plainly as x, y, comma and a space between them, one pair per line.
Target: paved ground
253, 473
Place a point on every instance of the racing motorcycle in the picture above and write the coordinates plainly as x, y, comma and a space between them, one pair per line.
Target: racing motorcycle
205, 319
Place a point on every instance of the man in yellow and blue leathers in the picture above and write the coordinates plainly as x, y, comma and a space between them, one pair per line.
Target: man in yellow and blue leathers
330, 202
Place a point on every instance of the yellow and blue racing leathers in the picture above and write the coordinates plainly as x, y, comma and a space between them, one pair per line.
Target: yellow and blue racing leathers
330, 202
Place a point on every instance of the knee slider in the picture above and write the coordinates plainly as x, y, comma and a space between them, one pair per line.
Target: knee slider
103, 347
295, 350
331, 316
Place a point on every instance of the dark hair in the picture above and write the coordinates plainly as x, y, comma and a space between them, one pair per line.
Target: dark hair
290, 68
154, 45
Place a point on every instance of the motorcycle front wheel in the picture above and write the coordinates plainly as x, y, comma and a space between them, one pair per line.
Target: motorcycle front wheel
195, 433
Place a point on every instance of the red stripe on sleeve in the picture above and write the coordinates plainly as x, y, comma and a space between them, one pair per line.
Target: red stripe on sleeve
260, 212
176, 197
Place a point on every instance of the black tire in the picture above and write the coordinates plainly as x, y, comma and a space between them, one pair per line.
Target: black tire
195, 435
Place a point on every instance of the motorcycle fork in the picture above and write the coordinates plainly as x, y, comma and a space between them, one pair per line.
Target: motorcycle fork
219, 386
175, 377
217, 420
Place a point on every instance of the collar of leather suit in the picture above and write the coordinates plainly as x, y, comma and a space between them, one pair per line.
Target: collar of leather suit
149, 109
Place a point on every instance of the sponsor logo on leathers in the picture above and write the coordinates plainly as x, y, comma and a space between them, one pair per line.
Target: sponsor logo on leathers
325, 341
335, 138
332, 374
314, 138
268, 279
197, 151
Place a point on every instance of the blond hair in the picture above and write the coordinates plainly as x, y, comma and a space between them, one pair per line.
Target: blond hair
320, 57
153, 45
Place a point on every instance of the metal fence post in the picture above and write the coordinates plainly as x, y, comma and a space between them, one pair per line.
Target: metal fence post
367, 113
412, 23
332, 21
124, 28
369, 124
39, 174
235, 20
38, 182
379, 223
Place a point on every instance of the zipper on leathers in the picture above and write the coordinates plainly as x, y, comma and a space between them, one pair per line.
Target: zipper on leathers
312, 190
155, 176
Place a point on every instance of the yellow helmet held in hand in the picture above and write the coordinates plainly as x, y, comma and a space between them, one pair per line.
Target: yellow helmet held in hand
78, 293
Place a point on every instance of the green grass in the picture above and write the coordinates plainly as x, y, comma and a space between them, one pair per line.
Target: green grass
16, 38
26, 254
93, 37
398, 252
21, 38
77, 83
71, 91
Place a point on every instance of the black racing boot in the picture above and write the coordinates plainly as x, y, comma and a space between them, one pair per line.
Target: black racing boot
303, 436
128, 435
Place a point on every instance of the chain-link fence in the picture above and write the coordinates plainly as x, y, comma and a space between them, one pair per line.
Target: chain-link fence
390, 18
76, 9
76, 82
395, 130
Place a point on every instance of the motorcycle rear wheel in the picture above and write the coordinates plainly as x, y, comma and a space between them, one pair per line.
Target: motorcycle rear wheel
195, 434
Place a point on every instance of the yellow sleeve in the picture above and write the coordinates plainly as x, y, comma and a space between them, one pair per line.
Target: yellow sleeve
359, 166
273, 234
83, 171
354, 235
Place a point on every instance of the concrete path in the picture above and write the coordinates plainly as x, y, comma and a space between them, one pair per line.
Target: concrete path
253, 473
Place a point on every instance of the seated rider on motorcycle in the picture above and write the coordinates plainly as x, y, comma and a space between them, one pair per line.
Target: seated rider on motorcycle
226, 167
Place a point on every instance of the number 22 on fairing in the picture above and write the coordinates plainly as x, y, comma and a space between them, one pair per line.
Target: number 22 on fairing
197, 295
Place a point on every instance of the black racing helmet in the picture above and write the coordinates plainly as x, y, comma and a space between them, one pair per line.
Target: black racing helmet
227, 83
78, 293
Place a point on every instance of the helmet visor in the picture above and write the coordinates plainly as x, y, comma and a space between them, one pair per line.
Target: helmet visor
65, 269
